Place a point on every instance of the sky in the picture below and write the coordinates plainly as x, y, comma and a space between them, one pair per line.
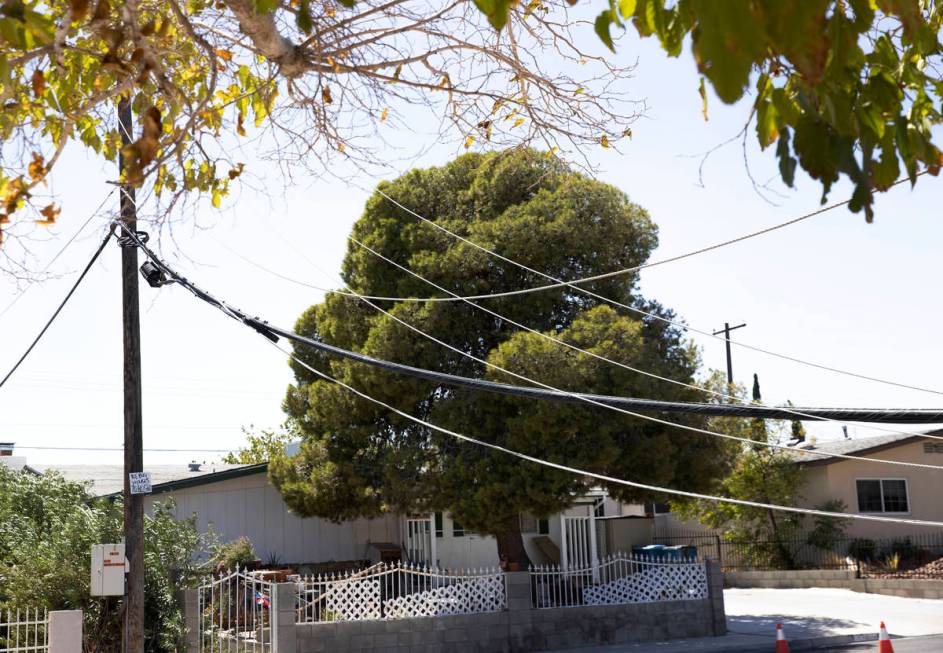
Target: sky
832, 289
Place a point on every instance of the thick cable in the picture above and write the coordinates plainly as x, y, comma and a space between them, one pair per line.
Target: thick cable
572, 285
62, 304
587, 352
603, 477
269, 330
836, 415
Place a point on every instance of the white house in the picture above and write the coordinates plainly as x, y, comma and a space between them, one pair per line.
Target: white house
239, 500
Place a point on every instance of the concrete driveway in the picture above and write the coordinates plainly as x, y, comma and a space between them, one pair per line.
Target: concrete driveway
813, 619
818, 612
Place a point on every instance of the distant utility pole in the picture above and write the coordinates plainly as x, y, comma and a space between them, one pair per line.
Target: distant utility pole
133, 430
726, 331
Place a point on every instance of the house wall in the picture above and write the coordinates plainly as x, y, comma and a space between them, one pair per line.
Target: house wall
251, 506
924, 487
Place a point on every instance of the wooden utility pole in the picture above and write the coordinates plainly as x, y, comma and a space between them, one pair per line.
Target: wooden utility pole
133, 429
726, 331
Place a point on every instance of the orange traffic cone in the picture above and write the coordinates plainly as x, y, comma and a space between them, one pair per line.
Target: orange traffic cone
884, 641
782, 646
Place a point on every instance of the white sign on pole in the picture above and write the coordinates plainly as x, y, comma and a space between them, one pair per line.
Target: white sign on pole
140, 482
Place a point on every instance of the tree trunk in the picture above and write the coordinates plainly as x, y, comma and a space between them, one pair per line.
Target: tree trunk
511, 549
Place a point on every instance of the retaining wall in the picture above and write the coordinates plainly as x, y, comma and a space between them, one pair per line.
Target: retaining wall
912, 588
522, 628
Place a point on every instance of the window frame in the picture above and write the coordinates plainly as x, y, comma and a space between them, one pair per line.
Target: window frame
880, 480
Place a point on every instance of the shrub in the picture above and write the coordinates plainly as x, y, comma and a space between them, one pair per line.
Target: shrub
47, 528
237, 553
862, 549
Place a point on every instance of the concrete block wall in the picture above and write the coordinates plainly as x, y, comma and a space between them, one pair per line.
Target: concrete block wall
522, 628
907, 587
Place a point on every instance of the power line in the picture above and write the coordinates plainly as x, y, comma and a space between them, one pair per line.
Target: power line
602, 477
60, 252
739, 409
830, 415
790, 411
61, 305
31, 448
272, 332
571, 284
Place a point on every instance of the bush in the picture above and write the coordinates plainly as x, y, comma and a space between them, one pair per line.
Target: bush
47, 528
826, 532
238, 553
862, 550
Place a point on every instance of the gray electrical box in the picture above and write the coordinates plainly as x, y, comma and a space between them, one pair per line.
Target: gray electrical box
108, 569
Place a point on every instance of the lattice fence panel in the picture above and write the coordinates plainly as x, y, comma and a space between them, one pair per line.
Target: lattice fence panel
466, 596
354, 600
662, 582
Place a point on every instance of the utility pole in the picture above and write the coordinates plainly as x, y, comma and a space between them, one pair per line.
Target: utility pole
726, 331
133, 428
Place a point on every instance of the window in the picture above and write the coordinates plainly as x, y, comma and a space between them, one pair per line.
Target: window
438, 524
528, 523
532, 524
882, 495
457, 529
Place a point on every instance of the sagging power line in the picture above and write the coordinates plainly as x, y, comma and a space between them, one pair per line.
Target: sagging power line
273, 333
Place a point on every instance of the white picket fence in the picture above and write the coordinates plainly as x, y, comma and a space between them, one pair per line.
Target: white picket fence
618, 579
24, 631
400, 591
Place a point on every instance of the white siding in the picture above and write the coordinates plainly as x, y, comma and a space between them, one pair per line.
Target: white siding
250, 506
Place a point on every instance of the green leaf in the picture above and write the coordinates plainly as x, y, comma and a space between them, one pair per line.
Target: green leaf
497, 11
265, 6
787, 164
602, 26
627, 8
727, 42
767, 127
303, 17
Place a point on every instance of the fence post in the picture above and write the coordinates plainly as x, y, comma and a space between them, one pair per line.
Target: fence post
284, 636
519, 594
715, 594
65, 631
191, 619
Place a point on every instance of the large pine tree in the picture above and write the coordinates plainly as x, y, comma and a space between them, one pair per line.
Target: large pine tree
357, 459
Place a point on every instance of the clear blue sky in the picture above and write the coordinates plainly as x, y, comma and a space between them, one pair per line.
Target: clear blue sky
833, 289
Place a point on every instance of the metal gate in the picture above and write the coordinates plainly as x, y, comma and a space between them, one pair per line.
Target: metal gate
579, 544
237, 615
420, 540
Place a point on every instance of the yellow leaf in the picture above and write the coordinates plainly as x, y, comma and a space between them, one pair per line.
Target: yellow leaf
549, 154
468, 141
384, 114
217, 197
604, 141
396, 73
627, 132
579, 90
240, 128
226, 55
326, 95
517, 123
37, 167
340, 147
50, 213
